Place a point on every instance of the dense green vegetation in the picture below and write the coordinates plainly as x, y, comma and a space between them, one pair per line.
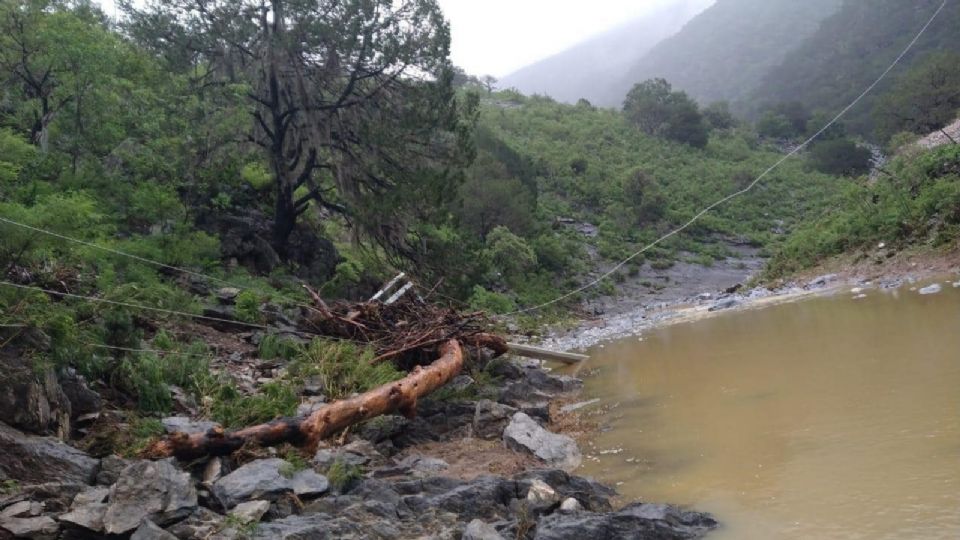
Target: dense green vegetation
723, 53
279, 151
851, 48
915, 203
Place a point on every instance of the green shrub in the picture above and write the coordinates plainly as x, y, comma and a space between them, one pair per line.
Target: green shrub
341, 475
247, 307
343, 368
490, 301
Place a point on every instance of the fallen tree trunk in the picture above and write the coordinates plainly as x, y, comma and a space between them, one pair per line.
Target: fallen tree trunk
307, 432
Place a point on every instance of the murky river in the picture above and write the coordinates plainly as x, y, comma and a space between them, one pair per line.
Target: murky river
830, 418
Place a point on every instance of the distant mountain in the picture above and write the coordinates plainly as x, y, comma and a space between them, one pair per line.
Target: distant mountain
851, 49
723, 53
592, 69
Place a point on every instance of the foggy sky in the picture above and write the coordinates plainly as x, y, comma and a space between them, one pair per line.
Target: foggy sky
496, 37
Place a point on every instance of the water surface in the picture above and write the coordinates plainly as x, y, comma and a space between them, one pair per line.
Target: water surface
826, 418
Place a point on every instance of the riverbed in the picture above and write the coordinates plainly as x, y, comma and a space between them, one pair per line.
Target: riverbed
832, 417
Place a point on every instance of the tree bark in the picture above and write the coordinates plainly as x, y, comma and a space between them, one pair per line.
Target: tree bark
307, 432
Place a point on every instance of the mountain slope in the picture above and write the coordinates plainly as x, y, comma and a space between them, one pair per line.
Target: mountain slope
590, 70
725, 51
852, 48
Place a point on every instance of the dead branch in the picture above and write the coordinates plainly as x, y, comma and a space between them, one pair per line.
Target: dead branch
307, 432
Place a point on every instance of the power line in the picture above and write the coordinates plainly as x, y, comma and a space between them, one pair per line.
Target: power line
750, 187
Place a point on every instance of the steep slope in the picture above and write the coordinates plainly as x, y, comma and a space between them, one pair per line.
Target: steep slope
852, 48
725, 51
591, 69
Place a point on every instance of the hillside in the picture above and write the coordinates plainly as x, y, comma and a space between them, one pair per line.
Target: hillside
591, 69
725, 52
851, 48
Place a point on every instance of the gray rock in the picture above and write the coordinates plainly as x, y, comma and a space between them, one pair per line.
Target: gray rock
182, 424
479, 530
110, 469
202, 523
83, 400
726, 303
250, 511
821, 280
634, 522
311, 404
88, 516
88, 509
35, 460
357, 453
490, 418
307, 483
263, 479
423, 465
154, 490
32, 401
149, 530
931, 289
227, 295
525, 434
541, 494
36, 528
22, 509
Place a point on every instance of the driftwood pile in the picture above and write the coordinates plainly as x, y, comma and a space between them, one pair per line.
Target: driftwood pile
408, 333
426, 340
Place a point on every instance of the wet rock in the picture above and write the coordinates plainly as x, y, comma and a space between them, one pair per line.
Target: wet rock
264, 479
479, 530
29, 459
36, 528
83, 400
726, 303
149, 530
110, 469
931, 289
635, 522
182, 424
250, 511
32, 401
821, 281
491, 418
155, 490
525, 434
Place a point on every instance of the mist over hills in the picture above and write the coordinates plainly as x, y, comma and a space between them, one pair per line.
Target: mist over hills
723, 53
851, 48
594, 68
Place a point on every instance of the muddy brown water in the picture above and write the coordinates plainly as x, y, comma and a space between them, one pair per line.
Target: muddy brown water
819, 419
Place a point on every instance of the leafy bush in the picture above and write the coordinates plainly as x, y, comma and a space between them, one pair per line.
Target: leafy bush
491, 302
343, 368
841, 157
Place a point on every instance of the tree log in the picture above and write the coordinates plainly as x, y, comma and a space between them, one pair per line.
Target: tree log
307, 432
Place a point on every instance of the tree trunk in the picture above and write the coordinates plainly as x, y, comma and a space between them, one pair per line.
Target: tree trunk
307, 432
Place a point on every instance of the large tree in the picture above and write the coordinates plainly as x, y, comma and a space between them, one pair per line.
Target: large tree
925, 99
351, 101
658, 110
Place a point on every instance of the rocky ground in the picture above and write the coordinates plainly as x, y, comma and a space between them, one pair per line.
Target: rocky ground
479, 461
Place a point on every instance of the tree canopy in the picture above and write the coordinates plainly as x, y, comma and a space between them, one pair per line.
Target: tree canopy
656, 109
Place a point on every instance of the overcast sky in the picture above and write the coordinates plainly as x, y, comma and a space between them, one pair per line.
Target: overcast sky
496, 37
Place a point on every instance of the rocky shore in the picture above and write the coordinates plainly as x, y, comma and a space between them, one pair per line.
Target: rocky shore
480, 462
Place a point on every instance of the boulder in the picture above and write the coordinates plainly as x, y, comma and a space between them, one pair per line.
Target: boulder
250, 511
149, 530
479, 530
22, 509
570, 505
526, 435
36, 528
32, 400
202, 523
30, 459
83, 400
154, 490
265, 479
490, 418
634, 522
110, 469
